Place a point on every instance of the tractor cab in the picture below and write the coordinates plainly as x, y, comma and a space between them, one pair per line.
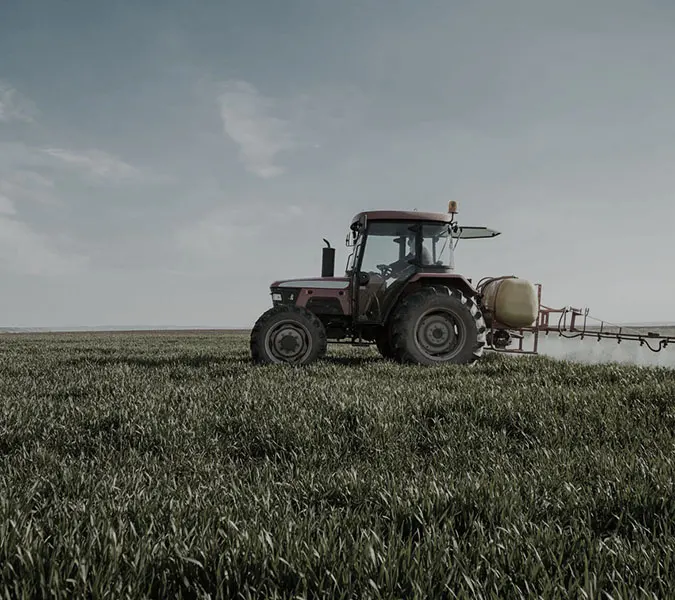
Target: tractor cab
391, 249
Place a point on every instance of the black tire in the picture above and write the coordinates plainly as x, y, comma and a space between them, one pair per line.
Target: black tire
438, 325
384, 346
288, 334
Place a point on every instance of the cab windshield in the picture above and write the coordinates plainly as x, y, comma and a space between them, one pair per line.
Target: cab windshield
395, 243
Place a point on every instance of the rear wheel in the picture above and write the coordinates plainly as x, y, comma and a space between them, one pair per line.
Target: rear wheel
438, 325
383, 342
288, 334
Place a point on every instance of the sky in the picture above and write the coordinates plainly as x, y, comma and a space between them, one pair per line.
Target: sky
162, 163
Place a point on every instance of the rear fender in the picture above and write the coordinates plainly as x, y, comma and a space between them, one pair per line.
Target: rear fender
421, 280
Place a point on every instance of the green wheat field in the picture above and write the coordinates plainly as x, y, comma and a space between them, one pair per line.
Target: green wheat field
167, 466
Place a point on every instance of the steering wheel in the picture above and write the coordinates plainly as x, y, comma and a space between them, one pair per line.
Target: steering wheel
386, 270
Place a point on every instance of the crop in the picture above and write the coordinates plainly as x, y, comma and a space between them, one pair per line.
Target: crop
166, 466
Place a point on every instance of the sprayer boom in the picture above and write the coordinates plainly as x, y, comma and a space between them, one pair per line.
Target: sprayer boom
600, 331
555, 320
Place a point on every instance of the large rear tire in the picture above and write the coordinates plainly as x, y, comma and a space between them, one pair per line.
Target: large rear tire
384, 346
288, 334
438, 325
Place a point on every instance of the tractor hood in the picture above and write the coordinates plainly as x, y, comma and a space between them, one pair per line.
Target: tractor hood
317, 283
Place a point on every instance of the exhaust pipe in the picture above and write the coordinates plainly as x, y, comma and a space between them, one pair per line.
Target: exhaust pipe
328, 261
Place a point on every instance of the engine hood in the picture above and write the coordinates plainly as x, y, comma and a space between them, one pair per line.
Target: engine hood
317, 283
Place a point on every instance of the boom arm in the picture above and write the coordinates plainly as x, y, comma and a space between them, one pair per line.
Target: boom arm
546, 325
599, 332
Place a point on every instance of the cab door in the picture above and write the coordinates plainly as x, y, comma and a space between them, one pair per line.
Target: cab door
386, 263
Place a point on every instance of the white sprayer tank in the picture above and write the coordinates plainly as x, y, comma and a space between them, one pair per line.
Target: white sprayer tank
513, 302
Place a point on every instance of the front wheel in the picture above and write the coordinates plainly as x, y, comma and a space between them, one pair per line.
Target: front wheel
438, 325
288, 334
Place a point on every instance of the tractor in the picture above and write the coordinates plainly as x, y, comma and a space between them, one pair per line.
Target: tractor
399, 292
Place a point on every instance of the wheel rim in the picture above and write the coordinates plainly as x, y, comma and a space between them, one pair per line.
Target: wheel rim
440, 335
288, 342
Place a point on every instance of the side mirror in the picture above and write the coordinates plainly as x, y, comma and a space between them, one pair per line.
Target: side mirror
363, 278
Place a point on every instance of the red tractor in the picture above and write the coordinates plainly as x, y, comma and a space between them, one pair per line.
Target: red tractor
400, 292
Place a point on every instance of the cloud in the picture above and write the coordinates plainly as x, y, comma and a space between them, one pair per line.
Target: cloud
27, 185
27, 161
25, 177
6, 206
22, 249
95, 162
25, 251
14, 106
33, 175
260, 136
233, 230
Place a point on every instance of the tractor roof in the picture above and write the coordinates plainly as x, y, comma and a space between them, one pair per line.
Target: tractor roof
411, 215
402, 215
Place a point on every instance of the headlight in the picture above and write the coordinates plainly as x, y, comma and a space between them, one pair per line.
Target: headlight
276, 297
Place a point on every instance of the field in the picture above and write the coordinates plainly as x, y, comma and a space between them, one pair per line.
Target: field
165, 465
